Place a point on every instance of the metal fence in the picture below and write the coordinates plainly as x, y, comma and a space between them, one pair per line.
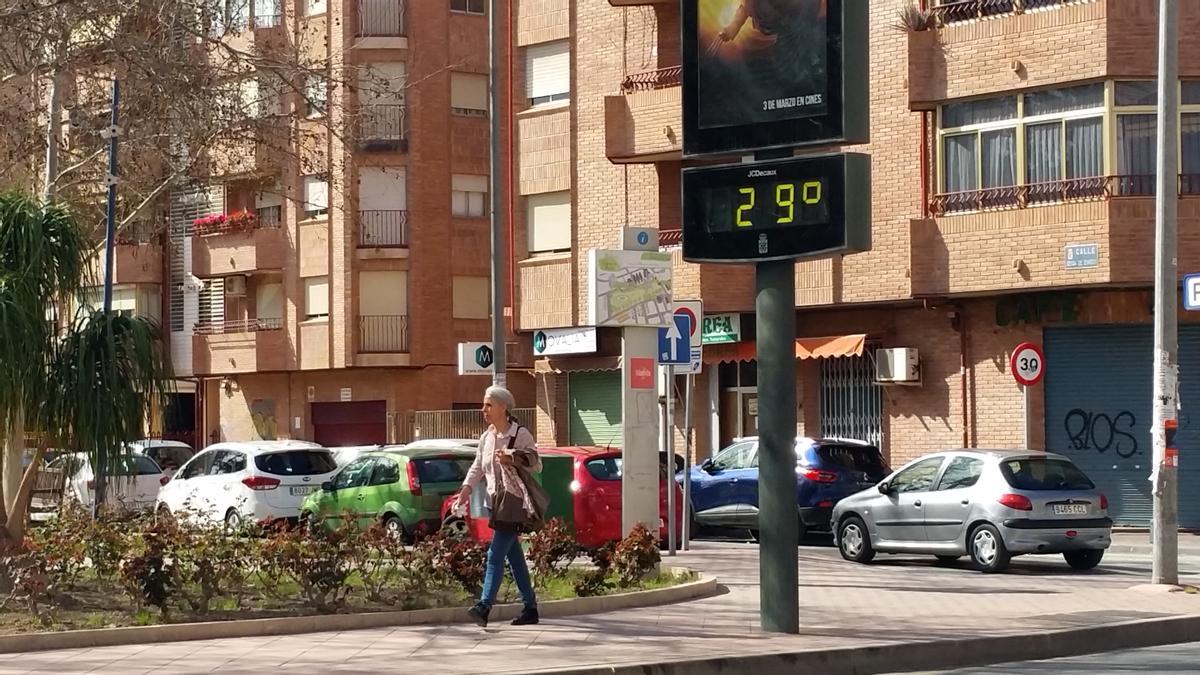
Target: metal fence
382, 229
381, 18
851, 400
429, 424
383, 334
237, 326
382, 126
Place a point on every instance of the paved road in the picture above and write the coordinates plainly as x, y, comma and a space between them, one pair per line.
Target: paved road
1171, 659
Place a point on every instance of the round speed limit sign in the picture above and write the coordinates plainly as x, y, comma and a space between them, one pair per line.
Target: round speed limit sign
1028, 364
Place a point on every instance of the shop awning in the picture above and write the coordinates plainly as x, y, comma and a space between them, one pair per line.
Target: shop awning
832, 347
576, 364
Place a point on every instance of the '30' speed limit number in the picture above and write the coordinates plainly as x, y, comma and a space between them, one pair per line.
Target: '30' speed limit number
1028, 364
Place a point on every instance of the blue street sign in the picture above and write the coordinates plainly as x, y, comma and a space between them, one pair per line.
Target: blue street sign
674, 342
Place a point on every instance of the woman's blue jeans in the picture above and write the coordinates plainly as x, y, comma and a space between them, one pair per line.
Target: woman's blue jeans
506, 546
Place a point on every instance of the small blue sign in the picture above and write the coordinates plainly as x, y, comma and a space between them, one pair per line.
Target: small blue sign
674, 342
643, 237
1079, 256
1191, 292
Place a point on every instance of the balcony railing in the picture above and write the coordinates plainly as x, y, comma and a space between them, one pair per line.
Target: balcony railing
966, 10
383, 334
1056, 192
381, 18
140, 232
653, 79
383, 126
237, 326
382, 229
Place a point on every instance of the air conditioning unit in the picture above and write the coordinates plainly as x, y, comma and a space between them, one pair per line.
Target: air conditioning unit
235, 286
898, 365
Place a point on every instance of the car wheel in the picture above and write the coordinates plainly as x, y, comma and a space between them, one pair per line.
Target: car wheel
394, 528
455, 527
988, 551
1084, 560
854, 542
163, 514
233, 522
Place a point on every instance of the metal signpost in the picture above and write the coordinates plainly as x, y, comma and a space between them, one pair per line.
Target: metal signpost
810, 90
674, 349
1027, 365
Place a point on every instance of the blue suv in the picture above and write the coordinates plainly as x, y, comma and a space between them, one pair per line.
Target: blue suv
724, 490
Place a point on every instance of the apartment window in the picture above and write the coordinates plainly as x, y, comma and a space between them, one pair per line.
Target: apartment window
469, 94
469, 6
315, 7
316, 95
268, 301
548, 72
549, 221
316, 196
316, 297
471, 298
468, 196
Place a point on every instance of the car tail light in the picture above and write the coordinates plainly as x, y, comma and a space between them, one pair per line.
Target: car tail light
825, 504
820, 476
576, 486
414, 481
1104, 502
164, 479
260, 482
1017, 502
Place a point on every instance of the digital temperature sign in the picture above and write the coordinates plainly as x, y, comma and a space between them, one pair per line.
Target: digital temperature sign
775, 210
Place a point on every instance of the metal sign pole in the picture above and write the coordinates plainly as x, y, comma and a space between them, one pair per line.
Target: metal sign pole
1027, 445
687, 463
669, 435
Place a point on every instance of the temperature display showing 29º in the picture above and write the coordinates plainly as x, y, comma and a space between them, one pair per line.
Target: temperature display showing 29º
766, 204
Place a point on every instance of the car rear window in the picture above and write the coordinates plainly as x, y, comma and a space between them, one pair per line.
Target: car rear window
853, 458
135, 465
442, 469
1037, 473
605, 468
296, 463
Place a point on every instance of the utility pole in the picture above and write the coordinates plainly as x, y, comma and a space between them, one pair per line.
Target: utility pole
111, 134
1164, 473
495, 100
53, 130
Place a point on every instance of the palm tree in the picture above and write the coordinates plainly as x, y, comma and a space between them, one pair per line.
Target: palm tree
89, 388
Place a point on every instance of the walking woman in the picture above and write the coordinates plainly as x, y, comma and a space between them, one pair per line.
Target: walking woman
507, 460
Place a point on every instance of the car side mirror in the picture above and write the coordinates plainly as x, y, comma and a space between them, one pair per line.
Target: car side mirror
327, 486
707, 465
885, 488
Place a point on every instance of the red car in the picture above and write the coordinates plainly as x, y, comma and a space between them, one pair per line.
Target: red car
594, 486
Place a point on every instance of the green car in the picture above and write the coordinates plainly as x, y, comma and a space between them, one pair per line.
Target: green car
403, 488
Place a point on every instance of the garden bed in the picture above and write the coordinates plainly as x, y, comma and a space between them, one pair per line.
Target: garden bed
79, 574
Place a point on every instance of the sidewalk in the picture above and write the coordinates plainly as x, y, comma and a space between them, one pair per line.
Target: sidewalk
897, 600
1138, 543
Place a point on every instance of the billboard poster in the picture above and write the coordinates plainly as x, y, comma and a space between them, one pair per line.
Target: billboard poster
761, 61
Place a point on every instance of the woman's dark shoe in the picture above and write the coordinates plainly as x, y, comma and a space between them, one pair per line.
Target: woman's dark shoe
527, 617
480, 614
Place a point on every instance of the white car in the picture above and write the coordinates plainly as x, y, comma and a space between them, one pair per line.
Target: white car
236, 483
170, 455
133, 483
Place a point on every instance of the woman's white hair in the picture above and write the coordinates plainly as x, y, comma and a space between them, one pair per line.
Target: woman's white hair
501, 396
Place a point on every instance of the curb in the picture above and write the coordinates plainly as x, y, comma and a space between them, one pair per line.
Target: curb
704, 586
938, 655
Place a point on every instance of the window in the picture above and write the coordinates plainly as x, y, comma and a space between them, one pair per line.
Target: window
314, 7
316, 196
316, 297
605, 468
918, 477
471, 298
469, 6
738, 456
296, 463
386, 472
853, 458
268, 301
549, 222
469, 94
468, 196
963, 472
356, 474
548, 72
316, 95
198, 466
383, 293
228, 461
442, 470
1042, 473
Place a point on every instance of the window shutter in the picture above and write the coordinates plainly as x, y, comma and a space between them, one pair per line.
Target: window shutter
316, 193
548, 69
316, 296
469, 183
468, 91
268, 303
549, 221
382, 189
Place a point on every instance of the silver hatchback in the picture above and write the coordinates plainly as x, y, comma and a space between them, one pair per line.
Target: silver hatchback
988, 504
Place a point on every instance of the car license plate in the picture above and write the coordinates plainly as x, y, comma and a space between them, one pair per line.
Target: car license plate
302, 490
1070, 509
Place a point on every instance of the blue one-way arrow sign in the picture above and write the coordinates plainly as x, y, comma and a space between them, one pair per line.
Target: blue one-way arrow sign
674, 342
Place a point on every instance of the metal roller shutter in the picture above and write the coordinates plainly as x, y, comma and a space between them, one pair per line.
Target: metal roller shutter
595, 408
1188, 437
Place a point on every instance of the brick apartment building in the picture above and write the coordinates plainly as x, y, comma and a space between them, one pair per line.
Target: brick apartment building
336, 315
1012, 148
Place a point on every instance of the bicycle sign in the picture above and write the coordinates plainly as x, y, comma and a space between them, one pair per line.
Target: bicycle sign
1028, 364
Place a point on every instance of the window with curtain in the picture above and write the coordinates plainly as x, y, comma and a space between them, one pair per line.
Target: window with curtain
1189, 165
1136, 154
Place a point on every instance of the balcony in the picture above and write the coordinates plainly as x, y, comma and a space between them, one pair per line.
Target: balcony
1055, 192
238, 245
382, 22
644, 123
383, 229
239, 346
383, 127
956, 11
383, 334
